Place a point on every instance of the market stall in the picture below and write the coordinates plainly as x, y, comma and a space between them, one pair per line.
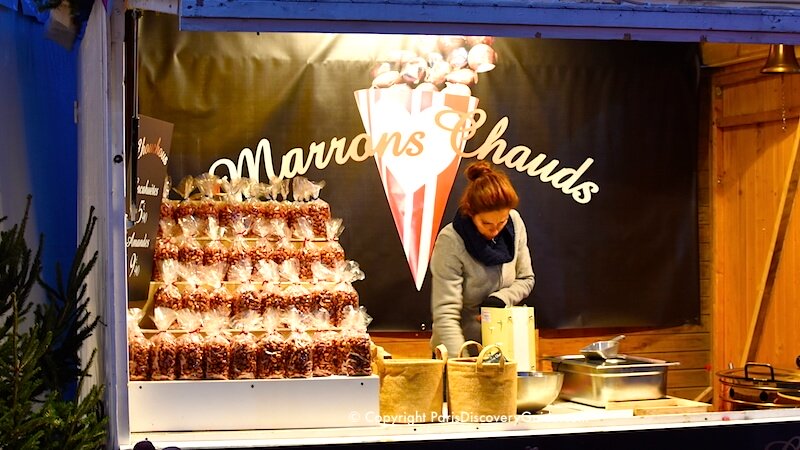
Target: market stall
563, 417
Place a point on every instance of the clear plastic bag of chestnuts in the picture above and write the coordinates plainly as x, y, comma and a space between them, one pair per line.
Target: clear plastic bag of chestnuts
139, 347
299, 348
217, 346
190, 345
165, 348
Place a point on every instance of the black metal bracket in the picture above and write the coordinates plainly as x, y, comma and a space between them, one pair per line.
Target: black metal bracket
131, 110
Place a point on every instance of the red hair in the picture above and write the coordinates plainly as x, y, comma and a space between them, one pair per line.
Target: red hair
487, 189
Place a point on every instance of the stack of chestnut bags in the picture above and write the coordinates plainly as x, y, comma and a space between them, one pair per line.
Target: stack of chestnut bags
248, 284
212, 346
243, 246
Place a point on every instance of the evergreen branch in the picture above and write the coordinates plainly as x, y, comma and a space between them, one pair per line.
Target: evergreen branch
18, 271
25, 426
83, 429
67, 315
37, 364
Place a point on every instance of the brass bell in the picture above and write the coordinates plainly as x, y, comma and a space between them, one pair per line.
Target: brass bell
781, 59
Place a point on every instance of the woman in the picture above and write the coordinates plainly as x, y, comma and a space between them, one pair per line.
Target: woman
482, 257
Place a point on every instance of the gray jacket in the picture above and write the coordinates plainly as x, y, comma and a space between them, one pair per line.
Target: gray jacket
461, 284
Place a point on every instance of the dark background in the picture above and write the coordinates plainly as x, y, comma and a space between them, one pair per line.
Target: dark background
629, 257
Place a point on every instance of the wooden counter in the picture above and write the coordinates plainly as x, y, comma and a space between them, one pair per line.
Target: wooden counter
563, 426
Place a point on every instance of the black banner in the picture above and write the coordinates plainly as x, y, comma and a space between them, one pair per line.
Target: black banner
599, 138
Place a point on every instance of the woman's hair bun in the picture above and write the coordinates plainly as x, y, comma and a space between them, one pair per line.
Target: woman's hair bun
477, 170
488, 189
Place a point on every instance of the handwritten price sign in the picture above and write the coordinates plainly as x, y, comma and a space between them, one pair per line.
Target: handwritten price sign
155, 137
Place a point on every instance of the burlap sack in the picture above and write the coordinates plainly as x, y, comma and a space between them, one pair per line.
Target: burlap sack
479, 391
411, 389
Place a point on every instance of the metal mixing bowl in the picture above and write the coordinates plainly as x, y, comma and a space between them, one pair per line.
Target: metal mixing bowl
536, 390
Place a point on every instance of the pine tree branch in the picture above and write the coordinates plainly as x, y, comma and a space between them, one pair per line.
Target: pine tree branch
35, 365
67, 315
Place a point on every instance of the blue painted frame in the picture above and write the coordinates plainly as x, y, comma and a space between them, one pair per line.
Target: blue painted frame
513, 18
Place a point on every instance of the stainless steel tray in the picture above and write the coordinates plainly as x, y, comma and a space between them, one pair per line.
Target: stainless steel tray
597, 383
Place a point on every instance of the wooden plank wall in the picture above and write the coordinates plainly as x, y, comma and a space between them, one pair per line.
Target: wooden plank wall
690, 344
753, 133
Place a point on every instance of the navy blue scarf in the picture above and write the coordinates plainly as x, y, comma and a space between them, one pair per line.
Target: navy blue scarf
490, 252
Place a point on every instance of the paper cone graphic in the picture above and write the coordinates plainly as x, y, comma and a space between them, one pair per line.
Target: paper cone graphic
417, 187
